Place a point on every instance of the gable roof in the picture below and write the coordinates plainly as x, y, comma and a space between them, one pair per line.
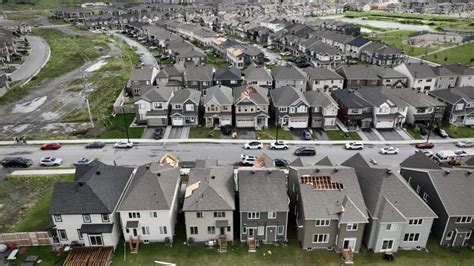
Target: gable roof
221, 95
286, 96
288, 73
96, 189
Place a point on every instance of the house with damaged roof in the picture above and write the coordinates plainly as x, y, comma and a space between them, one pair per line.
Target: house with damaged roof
85, 211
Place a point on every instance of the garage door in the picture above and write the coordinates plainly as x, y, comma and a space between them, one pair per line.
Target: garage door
245, 123
384, 124
178, 121
298, 123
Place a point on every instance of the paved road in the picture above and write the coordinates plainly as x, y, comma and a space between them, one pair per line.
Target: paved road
148, 57
39, 56
145, 153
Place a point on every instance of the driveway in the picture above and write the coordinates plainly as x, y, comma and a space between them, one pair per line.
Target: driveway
148, 58
390, 134
38, 57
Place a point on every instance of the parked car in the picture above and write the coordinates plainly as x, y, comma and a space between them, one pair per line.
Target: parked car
425, 145
83, 161
425, 152
389, 150
123, 144
253, 145
354, 146
51, 146
158, 133
280, 162
279, 145
95, 145
51, 161
440, 132
465, 144
305, 151
306, 135
10, 162
226, 130
247, 160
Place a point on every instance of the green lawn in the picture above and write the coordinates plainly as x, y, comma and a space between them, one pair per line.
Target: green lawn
116, 130
217, 61
204, 133
26, 200
414, 132
399, 39
459, 131
461, 54
339, 135
270, 133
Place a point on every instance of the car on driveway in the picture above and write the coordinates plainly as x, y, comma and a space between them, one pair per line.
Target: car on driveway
441, 132
305, 151
11, 162
425, 152
253, 145
465, 144
425, 145
389, 150
95, 145
247, 160
306, 135
280, 162
279, 145
83, 161
51, 146
354, 146
123, 144
51, 161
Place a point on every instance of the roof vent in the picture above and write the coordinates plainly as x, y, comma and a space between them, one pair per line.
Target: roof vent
389, 171
97, 173
447, 172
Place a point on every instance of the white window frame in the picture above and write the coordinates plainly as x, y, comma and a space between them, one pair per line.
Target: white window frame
272, 215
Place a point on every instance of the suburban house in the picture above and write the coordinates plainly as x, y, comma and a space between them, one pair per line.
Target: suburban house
354, 111
209, 203
445, 77
323, 79
149, 209
420, 76
358, 76
258, 75
289, 76
151, 108
328, 206
398, 218
85, 210
185, 107
251, 107
323, 109
229, 76
459, 104
218, 106
199, 77
465, 74
263, 206
290, 107
448, 192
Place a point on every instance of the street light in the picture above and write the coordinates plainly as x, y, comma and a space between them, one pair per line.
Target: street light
432, 123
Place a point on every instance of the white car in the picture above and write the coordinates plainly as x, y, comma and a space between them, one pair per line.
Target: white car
354, 146
51, 161
253, 145
389, 150
425, 152
248, 160
465, 144
279, 145
123, 144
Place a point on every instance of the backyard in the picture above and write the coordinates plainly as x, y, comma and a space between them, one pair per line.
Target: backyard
459, 54
399, 39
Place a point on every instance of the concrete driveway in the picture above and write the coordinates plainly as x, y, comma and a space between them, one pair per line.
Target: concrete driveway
37, 59
148, 58
390, 134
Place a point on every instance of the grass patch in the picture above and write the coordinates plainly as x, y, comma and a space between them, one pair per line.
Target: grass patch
270, 133
414, 132
116, 130
458, 131
339, 135
26, 201
399, 39
204, 133
459, 54
217, 61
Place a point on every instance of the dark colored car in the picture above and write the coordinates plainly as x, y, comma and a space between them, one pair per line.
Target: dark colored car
280, 162
95, 145
425, 145
51, 146
158, 133
305, 135
305, 151
8, 162
226, 130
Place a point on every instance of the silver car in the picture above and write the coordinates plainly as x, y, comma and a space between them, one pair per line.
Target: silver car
51, 161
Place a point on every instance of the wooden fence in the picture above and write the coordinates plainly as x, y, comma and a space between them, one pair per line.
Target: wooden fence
27, 239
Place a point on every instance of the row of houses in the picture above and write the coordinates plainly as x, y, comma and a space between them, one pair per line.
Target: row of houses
337, 207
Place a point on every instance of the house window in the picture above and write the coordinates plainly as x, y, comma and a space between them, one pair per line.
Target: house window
415, 222
133, 215
194, 230
449, 235
253, 215
387, 245
281, 230
211, 230
86, 218
190, 107
62, 234
413, 237
145, 230
163, 230
219, 214
391, 227
425, 196
351, 227
79, 234
199, 215
323, 222
105, 218
320, 238
153, 214
464, 220
272, 215
177, 106
58, 218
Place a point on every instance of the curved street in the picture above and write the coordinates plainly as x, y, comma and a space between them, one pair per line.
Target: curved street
38, 57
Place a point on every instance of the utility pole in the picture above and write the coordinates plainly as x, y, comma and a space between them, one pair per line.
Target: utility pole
125, 124
86, 88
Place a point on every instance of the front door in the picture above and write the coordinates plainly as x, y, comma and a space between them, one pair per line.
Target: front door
271, 234
135, 232
96, 240
349, 244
